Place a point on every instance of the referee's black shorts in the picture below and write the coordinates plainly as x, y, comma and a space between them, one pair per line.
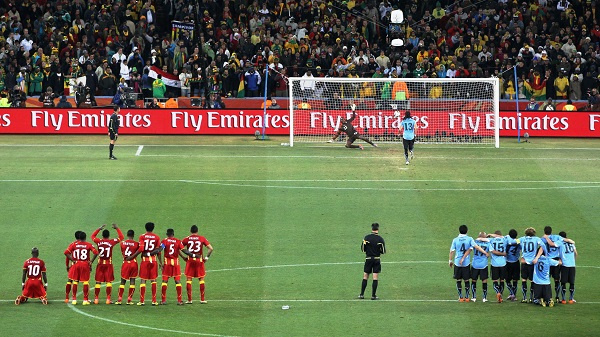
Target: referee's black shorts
113, 136
409, 145
372, 265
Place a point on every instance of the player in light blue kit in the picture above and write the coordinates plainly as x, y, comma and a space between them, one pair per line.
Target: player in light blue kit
513, 251
462, 245
479, 267
541, 277
553, 253
568, 254
529, 248
498, 245
408, 125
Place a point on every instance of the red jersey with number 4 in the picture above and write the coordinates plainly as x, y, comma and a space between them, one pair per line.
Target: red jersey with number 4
148, 242
171, 248
105, 246
194, 243
35, 267
80, 251
128, 248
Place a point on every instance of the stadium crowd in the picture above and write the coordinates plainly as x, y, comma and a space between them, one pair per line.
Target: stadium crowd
113, 44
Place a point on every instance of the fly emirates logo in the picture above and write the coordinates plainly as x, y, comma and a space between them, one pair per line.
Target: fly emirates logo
76, 119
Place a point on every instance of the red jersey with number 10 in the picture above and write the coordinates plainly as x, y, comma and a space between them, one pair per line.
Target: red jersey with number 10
80, 251
148, 242
35, 267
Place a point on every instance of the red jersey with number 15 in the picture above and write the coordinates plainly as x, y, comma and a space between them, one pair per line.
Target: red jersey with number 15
148, 242
194, 243
80, 251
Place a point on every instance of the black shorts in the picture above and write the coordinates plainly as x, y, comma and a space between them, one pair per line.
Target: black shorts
527, 271
482, 274
567, 274
409, 145
372, 266
113, 136
512, 271
498, 273
462, 273
555, 271
542, 291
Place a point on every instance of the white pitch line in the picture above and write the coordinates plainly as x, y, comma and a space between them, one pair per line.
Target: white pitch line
139, 150
313, 180
359, 157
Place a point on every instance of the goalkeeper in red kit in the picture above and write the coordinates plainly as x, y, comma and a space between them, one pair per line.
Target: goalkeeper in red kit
34, 270
347, 128
194, 267
172, 248
105, 271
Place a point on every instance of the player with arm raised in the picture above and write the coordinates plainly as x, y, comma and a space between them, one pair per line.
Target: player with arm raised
79, 252
346, 127
194, 266
129, 269
69, 263
408, 126
34, 270
171, 268
568, 254
105, 271
148, 242
462, 247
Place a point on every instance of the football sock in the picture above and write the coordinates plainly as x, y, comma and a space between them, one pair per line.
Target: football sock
459, 288
363, 287
485, 290
164, 291
514, 286
202, 290
131, 291
531, 290
86, 291
121, 291
406, 156
188, 287
74, 288
556, 287
67, 290
563, 290
474, 289
142, 292
108, 290
111, 147
153, 291
467, 287
524, 289
496, 287
571, 291
178, 288
501, 287
97, 290
374, 286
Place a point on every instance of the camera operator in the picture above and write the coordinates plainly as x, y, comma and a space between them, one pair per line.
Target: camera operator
594, 100
17, 98
47, 98
88, 98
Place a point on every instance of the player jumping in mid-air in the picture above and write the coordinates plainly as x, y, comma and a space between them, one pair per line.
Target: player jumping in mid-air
408, 125
347, 127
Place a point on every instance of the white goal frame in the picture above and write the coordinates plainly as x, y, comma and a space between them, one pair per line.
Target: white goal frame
495, 99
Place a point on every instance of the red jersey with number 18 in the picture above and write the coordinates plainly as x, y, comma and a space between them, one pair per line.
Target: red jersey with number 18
80, 252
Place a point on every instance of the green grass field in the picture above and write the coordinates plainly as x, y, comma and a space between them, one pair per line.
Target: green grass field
286, 225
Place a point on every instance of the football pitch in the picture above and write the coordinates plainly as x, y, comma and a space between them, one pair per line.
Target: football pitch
286, 225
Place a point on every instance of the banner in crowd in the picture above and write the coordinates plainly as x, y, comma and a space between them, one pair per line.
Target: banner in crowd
169, 79
178, 27
240, 122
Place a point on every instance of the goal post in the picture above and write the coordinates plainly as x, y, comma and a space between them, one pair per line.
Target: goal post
447, 110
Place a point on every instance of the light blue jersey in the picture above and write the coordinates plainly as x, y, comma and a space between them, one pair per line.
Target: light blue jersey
553, 252
461, 244
541, 270
408, 127
513, 251
567, 254
529, 247
480, 261
498, 244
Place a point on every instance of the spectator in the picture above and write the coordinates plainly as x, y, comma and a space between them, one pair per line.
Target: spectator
158, 87
548, 105
185, 78
63, 103
47, 98
569, 106
252, 81
532, 105
561, 85
274, 104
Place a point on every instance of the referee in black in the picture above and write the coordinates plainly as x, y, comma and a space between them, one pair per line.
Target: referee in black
373, 246
113, 131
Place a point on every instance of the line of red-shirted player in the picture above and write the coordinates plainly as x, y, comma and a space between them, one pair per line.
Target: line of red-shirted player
81, 254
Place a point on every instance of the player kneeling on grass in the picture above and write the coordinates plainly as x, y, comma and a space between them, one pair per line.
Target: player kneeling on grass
105, 272
129, 269
34, 270
173, 247
541, 277
194, 266
347, 128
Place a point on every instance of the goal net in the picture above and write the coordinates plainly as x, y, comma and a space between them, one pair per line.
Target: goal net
449, 110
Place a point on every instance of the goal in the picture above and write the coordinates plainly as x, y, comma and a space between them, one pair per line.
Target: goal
448, 110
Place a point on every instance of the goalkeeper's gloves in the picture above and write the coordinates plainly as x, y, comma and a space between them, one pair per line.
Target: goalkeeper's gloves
330, 141
353, 107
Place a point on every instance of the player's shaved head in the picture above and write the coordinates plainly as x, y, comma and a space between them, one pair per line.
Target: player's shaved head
547, 230
170, 232
35, 252
194, 229
512, 233
105, 233
130, 233
149, 226
375, 226
463, 229
482, 235
530, 231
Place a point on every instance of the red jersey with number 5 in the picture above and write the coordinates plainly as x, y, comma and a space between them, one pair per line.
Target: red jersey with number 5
148, 242
35, 267
80, 251
194, 243
171, 247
